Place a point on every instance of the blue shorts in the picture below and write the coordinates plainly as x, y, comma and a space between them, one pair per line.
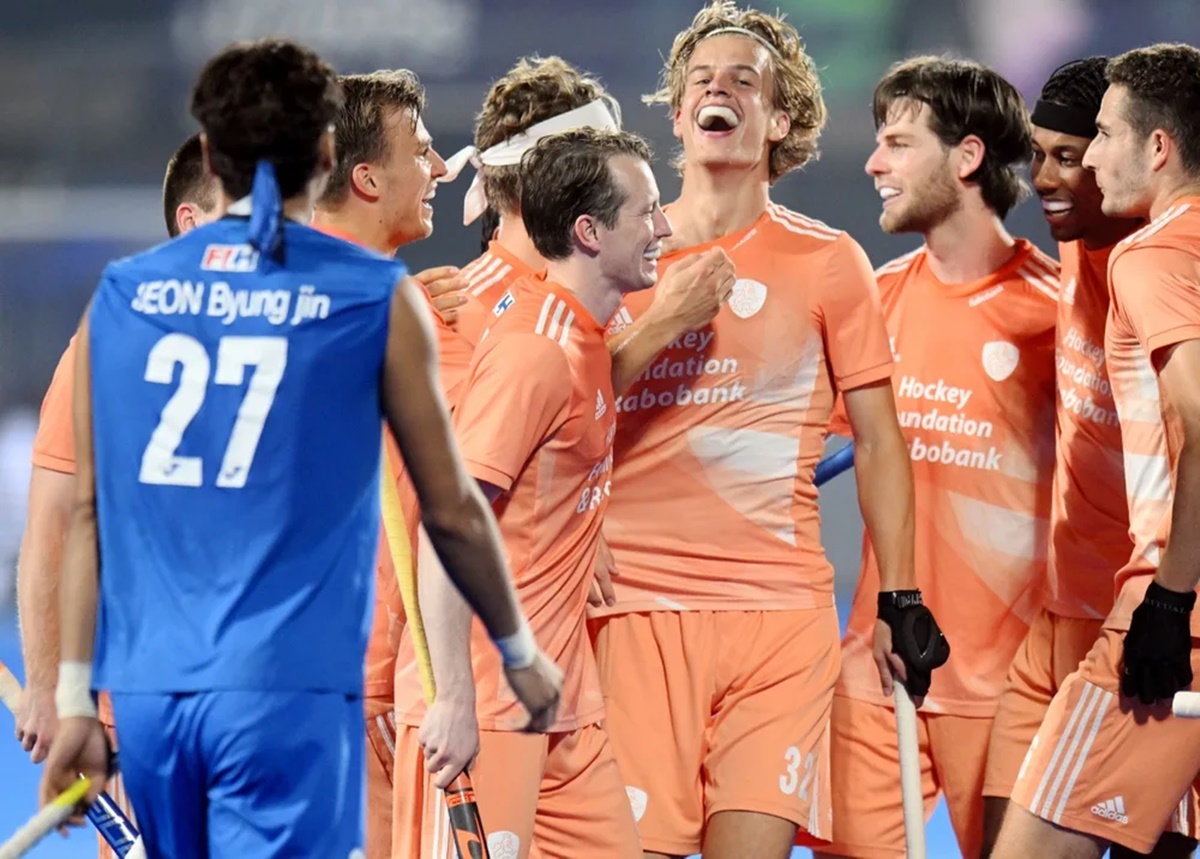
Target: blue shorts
244, 774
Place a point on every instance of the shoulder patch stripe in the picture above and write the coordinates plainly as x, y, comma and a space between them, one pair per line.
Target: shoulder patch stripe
792, 227
802, 221
540, 328
1158, 223
484, 285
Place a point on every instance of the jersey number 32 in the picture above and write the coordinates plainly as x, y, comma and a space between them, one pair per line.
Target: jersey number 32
268, 357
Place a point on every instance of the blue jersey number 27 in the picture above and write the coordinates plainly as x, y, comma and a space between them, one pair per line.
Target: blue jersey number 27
268, 357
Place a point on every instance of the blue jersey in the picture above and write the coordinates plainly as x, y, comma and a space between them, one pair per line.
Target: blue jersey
236, 417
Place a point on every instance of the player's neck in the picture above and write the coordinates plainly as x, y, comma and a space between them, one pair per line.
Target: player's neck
513, 238
298, 208
359, 226
969, 245
1185, 186
714, 204
1109, 232
579, 276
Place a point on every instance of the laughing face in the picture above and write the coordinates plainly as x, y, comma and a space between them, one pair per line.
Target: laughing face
630, 250
912, 171
726, 118
1067, 190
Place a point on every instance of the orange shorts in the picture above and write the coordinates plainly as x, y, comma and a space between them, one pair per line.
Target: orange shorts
1100, 766
116, 784
1052, 649
380, 762
868, 816
720, 711
559, 794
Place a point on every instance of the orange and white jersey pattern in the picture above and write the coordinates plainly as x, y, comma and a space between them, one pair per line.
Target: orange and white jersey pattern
536, 419
974, 387
714, 505
1089, 519
489, 280
1154, 276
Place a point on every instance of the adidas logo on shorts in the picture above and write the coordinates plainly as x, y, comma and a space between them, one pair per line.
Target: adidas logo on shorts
1112, 809
601, 406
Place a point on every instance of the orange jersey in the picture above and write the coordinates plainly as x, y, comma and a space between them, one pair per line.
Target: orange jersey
489, 279
536, 419
1089, 520
715, 507
975, 396
1155, 287
454, 359
54, 444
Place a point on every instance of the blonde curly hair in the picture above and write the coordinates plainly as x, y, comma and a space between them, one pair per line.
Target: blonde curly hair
532, 91
797, 86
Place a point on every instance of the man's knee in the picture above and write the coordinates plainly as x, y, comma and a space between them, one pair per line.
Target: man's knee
732, 834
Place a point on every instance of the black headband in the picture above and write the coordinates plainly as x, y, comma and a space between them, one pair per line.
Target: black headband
1075, 121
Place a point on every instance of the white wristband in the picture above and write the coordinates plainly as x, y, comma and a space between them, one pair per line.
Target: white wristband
518, 650
73, 696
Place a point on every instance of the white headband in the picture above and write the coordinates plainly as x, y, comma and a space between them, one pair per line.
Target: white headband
741, 31
506, 153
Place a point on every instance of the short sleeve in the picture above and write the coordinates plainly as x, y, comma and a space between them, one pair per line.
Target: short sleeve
518, 393
54, 444
1157, 290
856, 339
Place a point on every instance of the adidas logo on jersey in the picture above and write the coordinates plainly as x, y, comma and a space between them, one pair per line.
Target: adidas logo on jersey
601, 406
240, 258
1112, 809
620, 322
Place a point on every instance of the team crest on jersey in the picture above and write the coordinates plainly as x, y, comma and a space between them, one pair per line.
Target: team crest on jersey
504, 845
1068, 294
503, 304
1000, 358
620, 321
240, 258
747, 298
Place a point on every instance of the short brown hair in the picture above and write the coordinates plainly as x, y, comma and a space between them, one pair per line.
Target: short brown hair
797, 85
361, 137
186, 182
567, 175
532, 91
967, 98
270, 100
1163, 82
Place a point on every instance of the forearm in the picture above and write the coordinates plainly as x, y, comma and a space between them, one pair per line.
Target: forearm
51, 498
467, 543
635, 348
80, 587
1180, 567
885, 495
37, 606
446, 619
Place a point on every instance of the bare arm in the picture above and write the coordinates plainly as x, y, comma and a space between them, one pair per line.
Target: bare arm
457, 518
80, 579
885, 482
448, 622
691, 293
1180, 567
51, 495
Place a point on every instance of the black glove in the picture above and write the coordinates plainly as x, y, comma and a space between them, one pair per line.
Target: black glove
1158, 646
916, 637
